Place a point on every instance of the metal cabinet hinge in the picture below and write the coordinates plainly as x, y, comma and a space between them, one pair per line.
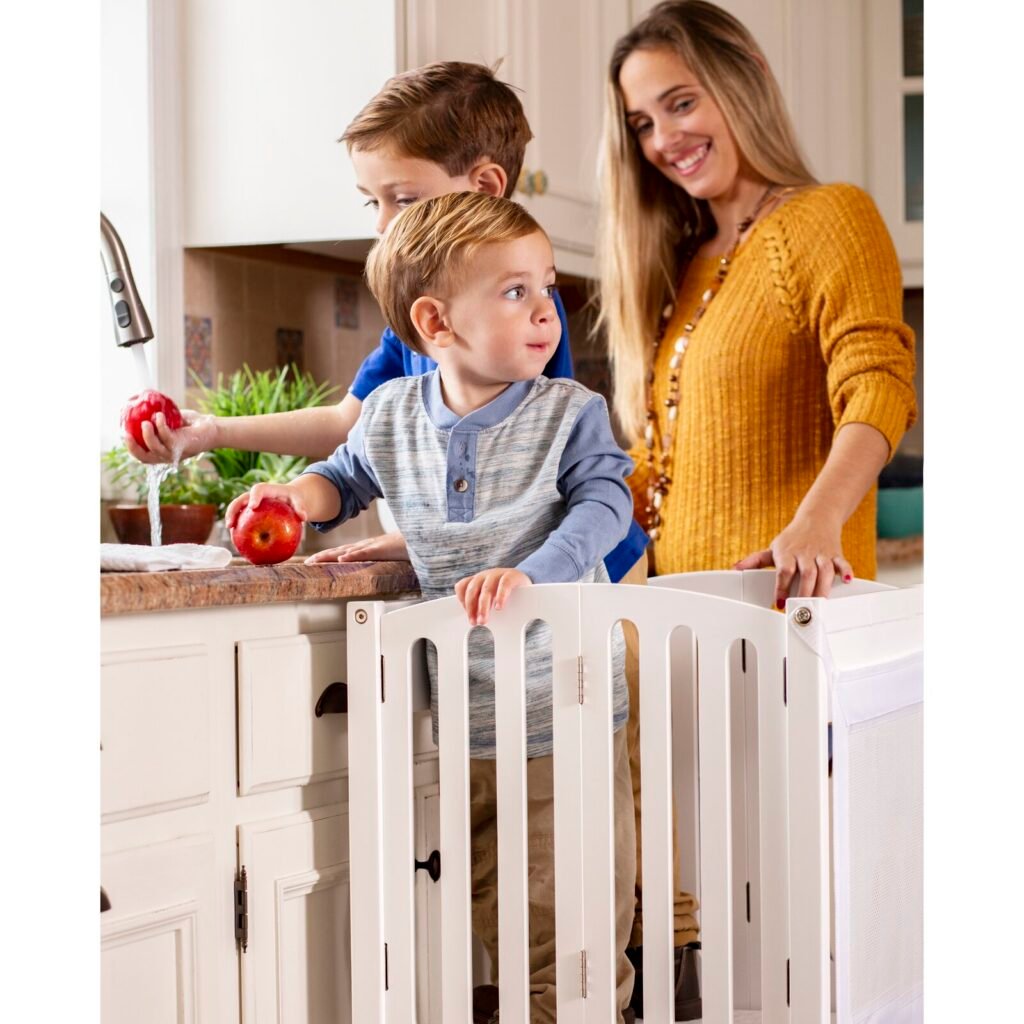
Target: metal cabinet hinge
579, 677
242, 910
583, 973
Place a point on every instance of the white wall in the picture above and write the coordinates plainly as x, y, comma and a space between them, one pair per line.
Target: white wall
126, 190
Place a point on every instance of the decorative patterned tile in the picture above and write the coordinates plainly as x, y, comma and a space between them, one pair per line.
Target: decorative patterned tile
199, 349
290, 348
346, 302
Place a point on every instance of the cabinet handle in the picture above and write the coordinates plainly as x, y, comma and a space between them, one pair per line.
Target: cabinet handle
104, 901
432, 865
532, 183
333, 701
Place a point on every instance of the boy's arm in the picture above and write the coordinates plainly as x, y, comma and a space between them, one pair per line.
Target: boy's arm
314, 433
591, 477
309, 432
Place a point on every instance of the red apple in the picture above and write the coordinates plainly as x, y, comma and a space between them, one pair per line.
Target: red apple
143, 407
268, 533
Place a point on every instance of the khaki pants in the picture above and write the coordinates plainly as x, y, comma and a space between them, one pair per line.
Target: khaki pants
541, 852
685, 906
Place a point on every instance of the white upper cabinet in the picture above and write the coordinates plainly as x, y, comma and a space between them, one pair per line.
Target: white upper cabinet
267, 89
556, 53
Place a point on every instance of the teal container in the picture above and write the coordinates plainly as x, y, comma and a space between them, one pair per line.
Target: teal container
900, 511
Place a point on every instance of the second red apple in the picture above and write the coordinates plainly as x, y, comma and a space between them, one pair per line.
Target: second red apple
268, 533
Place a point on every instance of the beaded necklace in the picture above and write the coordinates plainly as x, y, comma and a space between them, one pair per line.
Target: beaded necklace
658, 478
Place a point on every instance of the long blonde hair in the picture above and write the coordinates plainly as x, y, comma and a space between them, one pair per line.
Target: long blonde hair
648, 227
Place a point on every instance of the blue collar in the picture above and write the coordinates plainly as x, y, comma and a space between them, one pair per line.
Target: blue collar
486, 416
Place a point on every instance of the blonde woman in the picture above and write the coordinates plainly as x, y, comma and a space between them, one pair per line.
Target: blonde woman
754, 317
768, 307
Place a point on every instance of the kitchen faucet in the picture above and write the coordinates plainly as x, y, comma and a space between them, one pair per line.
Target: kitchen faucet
131, 324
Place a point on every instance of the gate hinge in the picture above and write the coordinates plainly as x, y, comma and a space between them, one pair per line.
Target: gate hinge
583, 973
579, 678
242, 910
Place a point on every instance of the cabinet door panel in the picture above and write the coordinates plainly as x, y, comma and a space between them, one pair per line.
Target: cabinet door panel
155, 730
281, 742
159, 959
296, 966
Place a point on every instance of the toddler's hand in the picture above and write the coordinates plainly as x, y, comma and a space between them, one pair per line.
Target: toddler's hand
260, 491
388, 547
480, 593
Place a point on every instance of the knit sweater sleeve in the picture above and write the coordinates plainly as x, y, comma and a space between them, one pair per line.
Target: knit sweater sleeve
855, 300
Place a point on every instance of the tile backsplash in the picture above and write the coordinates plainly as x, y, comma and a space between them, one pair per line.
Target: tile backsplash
273, 307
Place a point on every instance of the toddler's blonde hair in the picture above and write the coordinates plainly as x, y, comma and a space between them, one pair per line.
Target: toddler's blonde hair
428, 247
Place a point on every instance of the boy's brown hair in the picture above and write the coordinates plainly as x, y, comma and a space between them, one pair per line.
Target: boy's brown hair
449, 112
428, 246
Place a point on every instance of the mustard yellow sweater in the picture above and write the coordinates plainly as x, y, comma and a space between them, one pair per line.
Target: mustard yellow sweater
805, 336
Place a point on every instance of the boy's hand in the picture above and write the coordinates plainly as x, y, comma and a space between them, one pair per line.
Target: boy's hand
260, 491
165, 445
388, 547
480, 593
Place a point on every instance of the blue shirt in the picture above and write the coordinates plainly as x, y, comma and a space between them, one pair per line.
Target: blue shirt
393, 359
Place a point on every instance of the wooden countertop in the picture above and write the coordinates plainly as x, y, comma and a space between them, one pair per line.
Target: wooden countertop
124, 593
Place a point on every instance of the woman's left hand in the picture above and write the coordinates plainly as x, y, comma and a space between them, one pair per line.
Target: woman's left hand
810, 547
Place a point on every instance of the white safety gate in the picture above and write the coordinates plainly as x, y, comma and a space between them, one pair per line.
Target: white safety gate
855, 661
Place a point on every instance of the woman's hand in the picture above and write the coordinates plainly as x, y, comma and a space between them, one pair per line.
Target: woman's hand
283, 492
809, 546
480, 593
198, 434
388, 547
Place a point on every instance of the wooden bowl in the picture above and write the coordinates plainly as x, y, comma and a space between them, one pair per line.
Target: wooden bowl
181, 524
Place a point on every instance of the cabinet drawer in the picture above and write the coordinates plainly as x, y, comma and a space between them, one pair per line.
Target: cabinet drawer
281, 742
155, 730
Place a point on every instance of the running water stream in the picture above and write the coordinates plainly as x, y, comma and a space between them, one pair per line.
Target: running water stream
155, 474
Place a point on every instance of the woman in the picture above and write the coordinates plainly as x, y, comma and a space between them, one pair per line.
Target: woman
754, 323
753, 316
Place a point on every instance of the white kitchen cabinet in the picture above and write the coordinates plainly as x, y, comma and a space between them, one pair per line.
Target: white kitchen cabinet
296, 966
281, 742
895, 113
158, 957
268, 88
213, 761
557, 54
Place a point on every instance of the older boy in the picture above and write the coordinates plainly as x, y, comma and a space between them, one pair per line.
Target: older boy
498, 477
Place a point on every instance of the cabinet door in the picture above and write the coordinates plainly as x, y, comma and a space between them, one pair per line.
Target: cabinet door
161, 960
281, 742
268, 89
296, 967
557, 53
155, 708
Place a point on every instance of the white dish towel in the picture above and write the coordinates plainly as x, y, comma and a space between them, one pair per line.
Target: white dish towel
144, 558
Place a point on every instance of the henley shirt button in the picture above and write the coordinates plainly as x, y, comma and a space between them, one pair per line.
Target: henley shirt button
461, 486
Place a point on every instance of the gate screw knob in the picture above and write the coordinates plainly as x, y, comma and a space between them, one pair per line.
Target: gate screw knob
802, 616
360, 616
